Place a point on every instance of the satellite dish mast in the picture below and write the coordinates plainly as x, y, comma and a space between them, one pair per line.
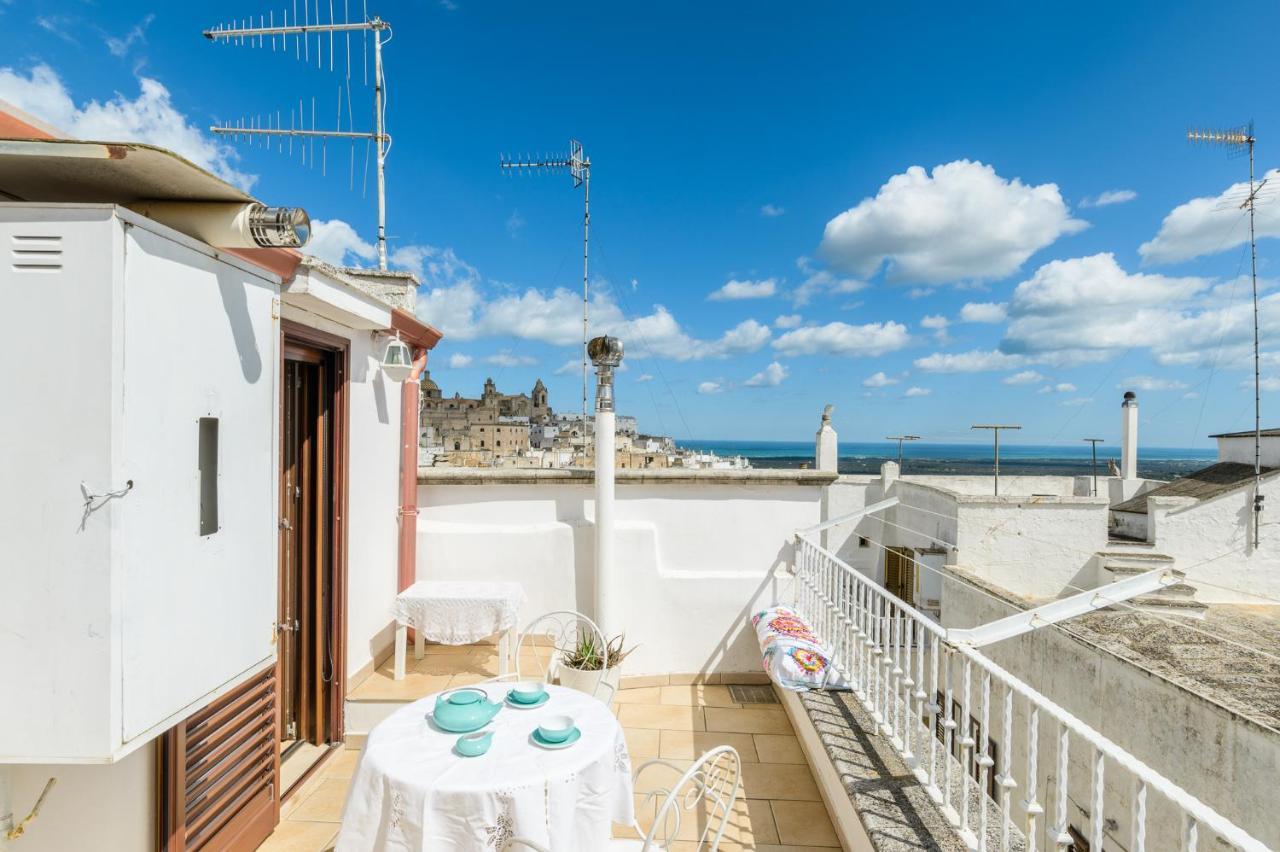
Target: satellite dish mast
240, 32
1240, 140
579, 167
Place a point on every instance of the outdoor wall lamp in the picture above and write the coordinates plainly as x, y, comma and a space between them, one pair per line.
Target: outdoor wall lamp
397, 360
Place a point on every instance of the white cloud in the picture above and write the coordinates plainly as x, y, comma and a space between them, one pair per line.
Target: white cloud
878, 380
788, 321
458, 361
1111, 196
336, 242
962, 222
974, 361
150, 117
936, 322
838, 338
709, 387
514, 224
770, 377
1210, 224
819, 282
1089, 308
572, 367
1060, 387
916, 391
1078, 401
120, 46
735, 290
771, 211
1270, 384
985, 312
506, 359
644, 377
1150, 383
1026, 377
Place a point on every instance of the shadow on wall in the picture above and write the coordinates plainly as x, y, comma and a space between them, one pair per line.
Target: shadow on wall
231, 286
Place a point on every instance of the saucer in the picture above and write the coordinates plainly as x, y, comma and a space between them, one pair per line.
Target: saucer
541, 743
520, 705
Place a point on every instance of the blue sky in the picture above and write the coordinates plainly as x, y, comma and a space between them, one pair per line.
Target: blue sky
927, 217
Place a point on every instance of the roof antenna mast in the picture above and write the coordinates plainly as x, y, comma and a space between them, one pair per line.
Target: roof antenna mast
579, 167
1241, 140
302, 29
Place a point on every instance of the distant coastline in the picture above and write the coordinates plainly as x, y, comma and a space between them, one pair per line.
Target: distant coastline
928, 458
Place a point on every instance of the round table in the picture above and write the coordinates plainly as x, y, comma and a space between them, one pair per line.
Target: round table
412, 791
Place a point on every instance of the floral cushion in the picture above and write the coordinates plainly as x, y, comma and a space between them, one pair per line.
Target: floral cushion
794, 658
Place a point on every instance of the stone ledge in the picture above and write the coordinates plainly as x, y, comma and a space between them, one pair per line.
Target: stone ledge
586, 476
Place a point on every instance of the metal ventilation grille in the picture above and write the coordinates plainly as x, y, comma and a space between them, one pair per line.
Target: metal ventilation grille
36, 253
752, 694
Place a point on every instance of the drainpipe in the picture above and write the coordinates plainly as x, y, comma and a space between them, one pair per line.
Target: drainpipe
606, 354
406, 567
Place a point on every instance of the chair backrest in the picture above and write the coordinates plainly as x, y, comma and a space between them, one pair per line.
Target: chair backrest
550, 638
705, 793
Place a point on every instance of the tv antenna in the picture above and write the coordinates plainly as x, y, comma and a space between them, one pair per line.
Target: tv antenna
1094, 442
579, 167
302, 30
900, 439
1240, 140
995, 430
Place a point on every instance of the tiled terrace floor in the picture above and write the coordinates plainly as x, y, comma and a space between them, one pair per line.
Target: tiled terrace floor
779, 809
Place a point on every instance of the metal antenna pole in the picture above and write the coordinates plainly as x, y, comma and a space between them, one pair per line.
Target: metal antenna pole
579, 167
995, 429
900, 439
302, 32
1243, 138
1094, 442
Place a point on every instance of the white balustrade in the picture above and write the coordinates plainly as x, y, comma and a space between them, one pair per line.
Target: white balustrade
879, 642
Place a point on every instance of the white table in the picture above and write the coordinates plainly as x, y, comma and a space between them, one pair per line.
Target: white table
411, 791
457, 613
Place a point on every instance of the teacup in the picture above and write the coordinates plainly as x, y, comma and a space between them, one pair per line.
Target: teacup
555, 729
528, 691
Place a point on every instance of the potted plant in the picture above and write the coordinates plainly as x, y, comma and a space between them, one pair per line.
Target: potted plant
580, 665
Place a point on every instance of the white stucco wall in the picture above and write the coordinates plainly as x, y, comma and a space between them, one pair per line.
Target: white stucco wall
1211, 541
106, 808
1241, 450
695, 559
1228, 762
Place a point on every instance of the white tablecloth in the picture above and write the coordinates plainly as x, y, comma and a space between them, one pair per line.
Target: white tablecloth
458, 613
411, 791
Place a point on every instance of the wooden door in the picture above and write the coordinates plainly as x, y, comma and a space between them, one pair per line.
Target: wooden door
899, 573
218, 773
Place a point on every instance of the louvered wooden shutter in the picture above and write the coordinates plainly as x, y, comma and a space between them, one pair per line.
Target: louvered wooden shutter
219, 773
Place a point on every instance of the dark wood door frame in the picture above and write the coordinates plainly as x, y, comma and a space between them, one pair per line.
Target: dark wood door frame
296, 341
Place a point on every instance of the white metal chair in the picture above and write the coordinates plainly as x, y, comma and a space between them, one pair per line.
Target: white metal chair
703, 786
704, 792
544, 642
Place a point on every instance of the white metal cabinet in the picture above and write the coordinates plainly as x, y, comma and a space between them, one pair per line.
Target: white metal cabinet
122, 335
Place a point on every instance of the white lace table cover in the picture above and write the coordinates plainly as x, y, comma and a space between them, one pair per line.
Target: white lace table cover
458, 613
412, 792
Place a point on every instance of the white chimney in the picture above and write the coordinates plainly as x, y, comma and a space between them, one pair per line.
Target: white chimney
826, 451
1129, 436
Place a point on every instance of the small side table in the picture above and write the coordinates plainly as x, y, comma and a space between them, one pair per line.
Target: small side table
457, 613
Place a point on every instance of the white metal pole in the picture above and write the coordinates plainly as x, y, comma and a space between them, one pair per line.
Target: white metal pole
605, 463
586, 226
380, 137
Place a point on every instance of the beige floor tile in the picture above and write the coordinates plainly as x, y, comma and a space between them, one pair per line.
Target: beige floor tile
663, 716
779, 781
639, 681
341, 765
325, 804
748, 720
744, 678
749, 823
299, 836
642, 744
698, 695
804, 823
641, 695
730, 846
687, 745
380, 687
778, 748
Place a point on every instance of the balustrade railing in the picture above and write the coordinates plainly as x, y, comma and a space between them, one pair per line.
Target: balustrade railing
919, 690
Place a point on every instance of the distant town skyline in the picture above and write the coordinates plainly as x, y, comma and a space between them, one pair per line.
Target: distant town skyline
787, 211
